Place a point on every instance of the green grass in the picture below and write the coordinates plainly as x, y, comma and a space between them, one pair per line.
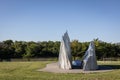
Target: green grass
28, 71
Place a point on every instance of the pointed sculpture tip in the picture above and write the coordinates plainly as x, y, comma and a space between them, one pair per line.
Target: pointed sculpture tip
91, 42
66, 31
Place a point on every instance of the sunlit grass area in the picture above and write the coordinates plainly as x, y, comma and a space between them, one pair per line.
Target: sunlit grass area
28, 71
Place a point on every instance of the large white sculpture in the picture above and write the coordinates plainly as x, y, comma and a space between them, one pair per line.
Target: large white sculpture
65, 58
89, 59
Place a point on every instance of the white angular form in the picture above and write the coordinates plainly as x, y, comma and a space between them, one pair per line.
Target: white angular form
65, 58
89, 59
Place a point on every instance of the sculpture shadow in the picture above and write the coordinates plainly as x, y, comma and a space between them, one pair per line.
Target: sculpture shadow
108, 67
76, 67
100, 67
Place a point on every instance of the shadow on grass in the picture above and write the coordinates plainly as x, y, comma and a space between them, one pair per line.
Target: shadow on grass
108, 67
101, 67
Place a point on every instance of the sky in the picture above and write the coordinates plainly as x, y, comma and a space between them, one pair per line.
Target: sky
44, 20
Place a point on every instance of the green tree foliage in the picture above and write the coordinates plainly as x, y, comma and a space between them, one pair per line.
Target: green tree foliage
106, 50
19, 48
6, 50
76, 48
49, 49
22, 49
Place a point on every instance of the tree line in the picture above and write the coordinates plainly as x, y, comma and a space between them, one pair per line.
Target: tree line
21, 49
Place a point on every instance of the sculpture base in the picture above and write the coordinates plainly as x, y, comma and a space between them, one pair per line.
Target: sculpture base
53, 67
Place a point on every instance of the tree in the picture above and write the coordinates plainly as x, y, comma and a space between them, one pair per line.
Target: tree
75, 48
31, 50
19, 48
8, 42
7, 50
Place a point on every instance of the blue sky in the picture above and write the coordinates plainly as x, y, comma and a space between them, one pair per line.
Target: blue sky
43, 20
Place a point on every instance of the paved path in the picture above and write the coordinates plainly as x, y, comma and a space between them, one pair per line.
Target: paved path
53, 67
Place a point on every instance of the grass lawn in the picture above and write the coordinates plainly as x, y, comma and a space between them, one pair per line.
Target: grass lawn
28, 71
